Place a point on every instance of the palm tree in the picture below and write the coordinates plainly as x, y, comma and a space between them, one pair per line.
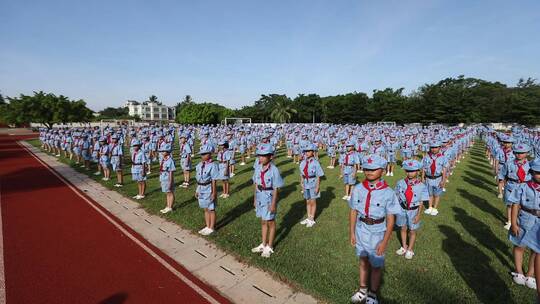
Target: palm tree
282, 111
153, 98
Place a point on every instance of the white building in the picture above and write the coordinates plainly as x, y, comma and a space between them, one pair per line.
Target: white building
151, 111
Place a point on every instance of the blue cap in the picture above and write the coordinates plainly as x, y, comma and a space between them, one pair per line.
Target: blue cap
412, 165
521, 148
103, 138
535, 165
165, 148
377, 138
221, 142
350, 143
434, 144
373, 162
114, 136
135, 142
508, 139
310, 147
183, 135
205, 149
265, 149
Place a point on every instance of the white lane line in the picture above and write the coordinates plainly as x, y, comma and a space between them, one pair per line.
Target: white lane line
185, 279
2, 273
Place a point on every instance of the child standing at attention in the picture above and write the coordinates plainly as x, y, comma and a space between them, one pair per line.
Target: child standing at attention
373, 206
207, 172
411, 193
166, 176
349, 166
266, 181
310, 175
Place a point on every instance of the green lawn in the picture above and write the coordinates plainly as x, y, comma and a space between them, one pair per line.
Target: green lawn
462, 255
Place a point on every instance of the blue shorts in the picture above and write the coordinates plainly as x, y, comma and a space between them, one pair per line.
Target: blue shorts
104, 163
349, 179
366, 246
406, 218
185, 163
529, 228
86, 155
165, 186
508, 189
138, 177
206, 202
392, 158
309, 194
433, 186
262, 211
116, 166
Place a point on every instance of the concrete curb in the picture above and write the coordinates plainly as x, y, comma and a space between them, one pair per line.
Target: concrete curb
235, 280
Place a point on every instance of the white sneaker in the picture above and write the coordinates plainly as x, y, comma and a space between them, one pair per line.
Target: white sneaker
443, 189
518, 278
387, 174
105, 178
409, 255
225, 196
428, 211
141, 196
242, 164
137, 196
97, 173
344, 197
371, 300
434, 212
258, 249
222, 195
208, 231
358, 297
329, 167
507, 226
500, 195
149, 172
267, 251
118, 185
304, 222
232, 174
530, 282
401, 251
166, 210
310, 224
202, 231
392, 174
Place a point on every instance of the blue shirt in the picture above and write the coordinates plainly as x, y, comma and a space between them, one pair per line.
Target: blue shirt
314, 170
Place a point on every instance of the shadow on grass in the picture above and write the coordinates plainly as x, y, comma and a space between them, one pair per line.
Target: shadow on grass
474, 267
482, 204
483, 235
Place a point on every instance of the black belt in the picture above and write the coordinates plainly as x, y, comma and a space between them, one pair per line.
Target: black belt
531, 211
204, 184
114, 155
223, 162
405, 206
433, 177
310, 176
371, 221
137, 164
261, 188
514, 180
348, 165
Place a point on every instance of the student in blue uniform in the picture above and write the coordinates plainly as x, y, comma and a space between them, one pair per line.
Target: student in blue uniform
266, 182
207, 172
349, 165
85, 151
185, 159
434, 174
116, 160
104, 151
411, 193
373, 206
223, 160
138, 167
310, 175
525, 229
166, 175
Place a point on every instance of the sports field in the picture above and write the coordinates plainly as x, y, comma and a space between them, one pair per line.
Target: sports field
462, 255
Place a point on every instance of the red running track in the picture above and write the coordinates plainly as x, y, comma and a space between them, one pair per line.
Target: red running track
59, 249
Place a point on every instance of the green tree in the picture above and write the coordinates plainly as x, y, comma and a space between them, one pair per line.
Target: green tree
282, 112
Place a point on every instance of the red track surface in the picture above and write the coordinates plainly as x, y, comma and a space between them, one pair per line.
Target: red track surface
58, 249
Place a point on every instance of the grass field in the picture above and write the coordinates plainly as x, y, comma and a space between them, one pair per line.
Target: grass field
462, 255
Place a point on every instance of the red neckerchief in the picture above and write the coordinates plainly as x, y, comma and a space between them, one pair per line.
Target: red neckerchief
409, 194
379, 186
433, 167
505, 151
347, 157
182, 148
306, 167
521, 172
204, 164
534, 185
162, 162
263, 172
134, 155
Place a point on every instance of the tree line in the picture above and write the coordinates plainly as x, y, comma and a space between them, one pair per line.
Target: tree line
451, 100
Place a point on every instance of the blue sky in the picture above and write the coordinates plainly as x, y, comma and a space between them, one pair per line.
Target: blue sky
231, 52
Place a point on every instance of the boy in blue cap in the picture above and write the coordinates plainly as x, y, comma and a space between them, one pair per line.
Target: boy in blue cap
514, 173
185, 159
310, 179
138, 167
349, 165
411, 193
223, 159
434, 173
504, 155
525, 229
373, 206
207, 172
166, 175
116, 160
266, 182
104, 151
